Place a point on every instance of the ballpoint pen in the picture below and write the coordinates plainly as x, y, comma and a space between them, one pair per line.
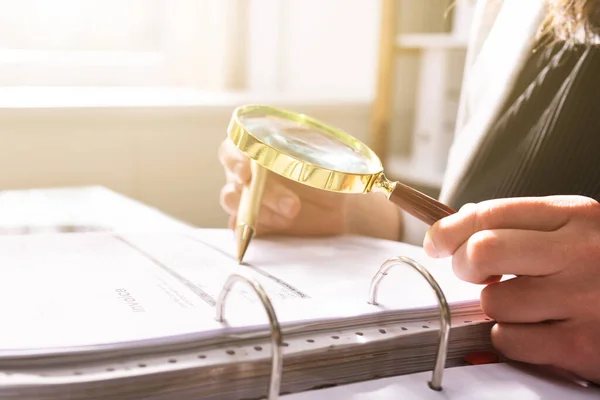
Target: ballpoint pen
249, 207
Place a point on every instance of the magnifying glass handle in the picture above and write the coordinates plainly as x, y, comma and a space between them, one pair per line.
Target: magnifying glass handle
418, 204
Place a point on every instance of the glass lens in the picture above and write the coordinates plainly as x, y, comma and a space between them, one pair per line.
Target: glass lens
309, 144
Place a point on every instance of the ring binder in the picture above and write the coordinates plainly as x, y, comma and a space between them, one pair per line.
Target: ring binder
276, 335
436, 380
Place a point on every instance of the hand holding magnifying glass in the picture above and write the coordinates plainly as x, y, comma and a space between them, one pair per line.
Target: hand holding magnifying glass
307, 151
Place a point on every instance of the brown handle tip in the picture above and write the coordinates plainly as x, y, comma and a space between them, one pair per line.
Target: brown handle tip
419, 205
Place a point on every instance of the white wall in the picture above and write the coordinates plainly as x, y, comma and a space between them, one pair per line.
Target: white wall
337, 44
314, 47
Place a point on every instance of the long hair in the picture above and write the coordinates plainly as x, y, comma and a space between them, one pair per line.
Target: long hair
572, 21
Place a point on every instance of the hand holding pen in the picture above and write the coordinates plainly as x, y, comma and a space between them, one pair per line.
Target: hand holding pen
286, 207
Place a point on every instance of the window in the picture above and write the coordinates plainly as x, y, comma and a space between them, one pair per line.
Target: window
113, 43
320, 48
308, 47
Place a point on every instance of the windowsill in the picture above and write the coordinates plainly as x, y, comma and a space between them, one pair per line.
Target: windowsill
21, 98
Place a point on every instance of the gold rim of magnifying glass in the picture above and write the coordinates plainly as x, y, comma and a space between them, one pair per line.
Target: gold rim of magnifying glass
297, 170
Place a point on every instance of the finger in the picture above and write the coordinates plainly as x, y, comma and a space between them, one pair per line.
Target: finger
269, 222
499, 252
236, 164
525, 300
229, 154
230, 197
530, 343
321, 198
287, 198
535, 213
276, 197
466, 207
315, 220
240, 173
270, 214
312, 219
261, 229
568, 345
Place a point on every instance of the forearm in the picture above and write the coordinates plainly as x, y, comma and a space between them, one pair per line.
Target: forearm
373, 215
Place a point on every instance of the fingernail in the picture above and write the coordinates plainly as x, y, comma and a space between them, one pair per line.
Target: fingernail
286, 205
466, 207
429, 247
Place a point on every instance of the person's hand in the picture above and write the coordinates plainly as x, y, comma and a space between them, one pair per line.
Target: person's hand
287, 207
294, 209
550, 312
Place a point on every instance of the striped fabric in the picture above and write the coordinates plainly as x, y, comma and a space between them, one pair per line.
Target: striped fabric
546, 140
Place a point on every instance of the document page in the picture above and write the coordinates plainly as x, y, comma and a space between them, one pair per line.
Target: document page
88, 289
309, 281
338, 270
103, 289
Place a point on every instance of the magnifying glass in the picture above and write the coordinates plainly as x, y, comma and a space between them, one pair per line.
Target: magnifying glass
312, 153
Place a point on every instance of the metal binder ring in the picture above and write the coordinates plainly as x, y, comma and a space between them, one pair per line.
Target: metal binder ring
442, 350
276, 336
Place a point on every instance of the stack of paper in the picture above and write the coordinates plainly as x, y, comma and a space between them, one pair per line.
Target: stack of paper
105, 314
490, 382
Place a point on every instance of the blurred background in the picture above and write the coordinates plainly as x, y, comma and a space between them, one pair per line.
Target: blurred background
136, 95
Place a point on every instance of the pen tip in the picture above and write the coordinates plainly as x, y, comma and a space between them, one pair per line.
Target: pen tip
244, 235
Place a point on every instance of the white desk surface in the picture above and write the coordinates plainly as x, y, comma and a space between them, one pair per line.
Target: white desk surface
90, 208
